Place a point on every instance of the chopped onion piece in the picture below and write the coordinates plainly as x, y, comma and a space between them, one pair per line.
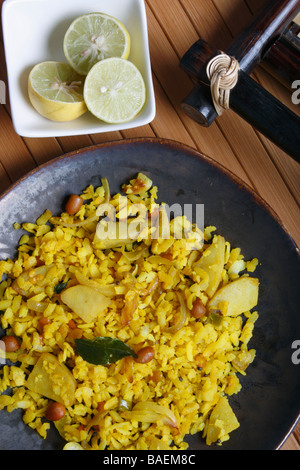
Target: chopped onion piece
181, 317
108, 290
150, 412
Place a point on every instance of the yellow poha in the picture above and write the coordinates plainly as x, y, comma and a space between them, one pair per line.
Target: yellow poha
166, 296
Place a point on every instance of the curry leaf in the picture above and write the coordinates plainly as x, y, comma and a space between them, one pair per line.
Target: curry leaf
103, 350
60, 287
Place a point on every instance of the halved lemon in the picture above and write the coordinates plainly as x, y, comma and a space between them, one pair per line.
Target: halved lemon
94, 37
114, 90
56, 91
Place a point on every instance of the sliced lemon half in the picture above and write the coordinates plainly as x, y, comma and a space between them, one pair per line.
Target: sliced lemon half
94, 37
114, 90
56, 91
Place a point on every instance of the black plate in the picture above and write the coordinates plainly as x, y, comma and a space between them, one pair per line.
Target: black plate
269, 404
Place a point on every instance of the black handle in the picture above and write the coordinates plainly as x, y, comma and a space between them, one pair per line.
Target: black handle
254, 104
249, 46
267, 114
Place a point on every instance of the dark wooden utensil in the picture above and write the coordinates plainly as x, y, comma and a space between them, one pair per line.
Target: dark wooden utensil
282, 60
247, 98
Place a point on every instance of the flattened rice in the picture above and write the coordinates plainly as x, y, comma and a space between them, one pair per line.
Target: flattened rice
141, 338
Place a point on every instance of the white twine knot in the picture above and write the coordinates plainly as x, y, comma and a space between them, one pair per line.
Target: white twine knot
222, 71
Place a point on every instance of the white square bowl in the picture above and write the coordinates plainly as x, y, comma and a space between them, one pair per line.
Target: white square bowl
33, 32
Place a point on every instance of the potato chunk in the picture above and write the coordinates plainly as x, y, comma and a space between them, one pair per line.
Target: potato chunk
222, 421
239, 296
212, 262
111, 235
85, 301
53, 380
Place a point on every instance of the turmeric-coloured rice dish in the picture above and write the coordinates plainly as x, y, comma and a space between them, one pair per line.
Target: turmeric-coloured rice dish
124, 328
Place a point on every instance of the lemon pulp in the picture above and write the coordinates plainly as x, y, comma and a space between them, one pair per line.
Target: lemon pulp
114, 90
56, 91
94, 37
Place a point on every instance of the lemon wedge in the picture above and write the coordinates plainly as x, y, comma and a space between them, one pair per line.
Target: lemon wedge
56, 91
93, 37
114, 90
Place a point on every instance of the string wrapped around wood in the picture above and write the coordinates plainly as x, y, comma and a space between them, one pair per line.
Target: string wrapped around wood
222, 71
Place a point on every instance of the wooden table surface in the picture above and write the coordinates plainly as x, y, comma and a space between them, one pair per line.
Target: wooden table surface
173, 26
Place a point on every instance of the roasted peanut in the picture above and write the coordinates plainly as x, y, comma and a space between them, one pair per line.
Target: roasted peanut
198, 309
73, 204
145, 355
11, 343
55, 411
